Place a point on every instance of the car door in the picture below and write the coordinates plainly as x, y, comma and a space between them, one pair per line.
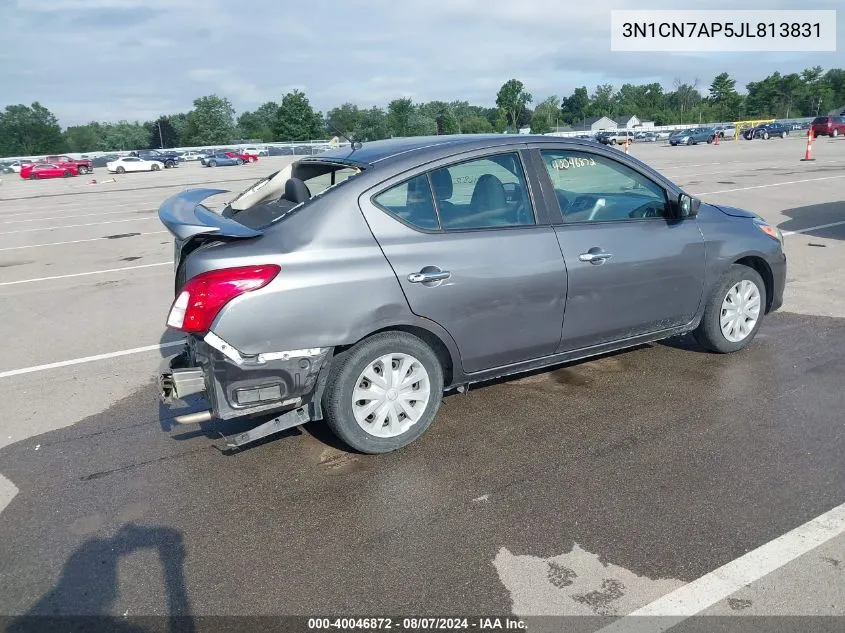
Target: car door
633, 268
474, 254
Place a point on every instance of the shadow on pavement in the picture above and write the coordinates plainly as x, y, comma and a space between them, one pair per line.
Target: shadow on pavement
89, 587
816, 215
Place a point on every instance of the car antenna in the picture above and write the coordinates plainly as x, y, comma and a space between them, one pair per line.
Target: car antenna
353, 143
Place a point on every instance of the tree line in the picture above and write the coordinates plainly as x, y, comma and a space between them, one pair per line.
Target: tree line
31, 130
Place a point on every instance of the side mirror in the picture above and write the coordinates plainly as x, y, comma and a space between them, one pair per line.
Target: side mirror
688, 206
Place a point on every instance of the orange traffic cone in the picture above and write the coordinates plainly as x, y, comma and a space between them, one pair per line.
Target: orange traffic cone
716, 139
627, 144
808, 154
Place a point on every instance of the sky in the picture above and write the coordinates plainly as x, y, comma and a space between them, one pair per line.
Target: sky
109, 60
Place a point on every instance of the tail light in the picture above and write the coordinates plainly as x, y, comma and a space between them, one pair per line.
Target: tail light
203, 296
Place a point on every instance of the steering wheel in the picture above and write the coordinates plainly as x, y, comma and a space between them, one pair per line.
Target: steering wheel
646, 210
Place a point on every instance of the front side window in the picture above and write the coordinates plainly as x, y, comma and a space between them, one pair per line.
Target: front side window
593, 188
411, 202
489, 192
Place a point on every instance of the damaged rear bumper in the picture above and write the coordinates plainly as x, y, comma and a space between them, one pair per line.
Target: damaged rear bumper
237, 386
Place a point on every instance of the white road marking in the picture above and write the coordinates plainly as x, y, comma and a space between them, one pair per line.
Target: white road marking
720, 583
90, 272
74, 226
68, 217
8, 490
90, 239
774, 184
89, 359
813, 228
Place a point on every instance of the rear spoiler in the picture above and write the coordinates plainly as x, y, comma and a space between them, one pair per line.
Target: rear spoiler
185, 217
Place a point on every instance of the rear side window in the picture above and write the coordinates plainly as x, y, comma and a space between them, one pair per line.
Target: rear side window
411, 202
486, 193
820, 119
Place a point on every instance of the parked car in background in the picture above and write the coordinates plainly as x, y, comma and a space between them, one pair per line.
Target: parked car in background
767, 131
168, 159
255, 151
647, 137
15, 166
37, 171
83, 165
615, 137
615, 256
828, 125
726, 131
693, 136
133, 163
244, 158
190, 156
220, 159
102, 161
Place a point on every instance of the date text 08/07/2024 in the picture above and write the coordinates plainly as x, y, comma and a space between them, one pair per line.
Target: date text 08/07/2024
417, 624
725, 29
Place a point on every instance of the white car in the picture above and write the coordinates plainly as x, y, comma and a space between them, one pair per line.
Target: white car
255, 151
191, 156
15, 166
133, 163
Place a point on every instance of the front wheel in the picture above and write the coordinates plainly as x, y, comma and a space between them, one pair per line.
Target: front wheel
689, 141
67, 174
33, 177
384, 392
240, 161
155, 167
835, 133
120, 170
212, 163
83, 170
734, 311
765, 136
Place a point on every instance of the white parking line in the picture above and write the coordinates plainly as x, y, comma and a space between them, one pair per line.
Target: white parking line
774, 184
813, 228
68, 217
695, 597
90, 272
90, 239
89, 359
74, 226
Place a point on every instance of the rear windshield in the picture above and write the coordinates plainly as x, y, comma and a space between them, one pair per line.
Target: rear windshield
820, 119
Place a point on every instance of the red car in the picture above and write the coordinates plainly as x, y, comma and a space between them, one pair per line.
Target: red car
828, 126
246, 158
83, 166
48, 170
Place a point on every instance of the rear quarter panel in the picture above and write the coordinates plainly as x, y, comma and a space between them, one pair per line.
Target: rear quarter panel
335, 285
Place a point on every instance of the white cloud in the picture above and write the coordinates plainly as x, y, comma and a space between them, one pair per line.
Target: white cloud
124, 55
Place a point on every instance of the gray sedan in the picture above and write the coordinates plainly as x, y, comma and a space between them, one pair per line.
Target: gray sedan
357, 286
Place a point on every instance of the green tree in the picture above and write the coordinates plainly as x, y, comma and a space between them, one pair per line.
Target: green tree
399, 116
724, 96
372, 126
163, 134
296, 119
344, 119
27, 130
180, 126
601, 103
258, 124
574, 108
475, 124
512, 99
546, 115
89, 137
211, 122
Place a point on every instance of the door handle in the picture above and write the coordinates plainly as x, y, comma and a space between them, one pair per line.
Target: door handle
419, 278
597, 257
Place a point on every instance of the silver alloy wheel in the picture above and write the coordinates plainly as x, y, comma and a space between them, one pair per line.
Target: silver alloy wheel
740, 311
391, 395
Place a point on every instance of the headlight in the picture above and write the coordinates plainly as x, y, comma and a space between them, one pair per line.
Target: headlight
768, 229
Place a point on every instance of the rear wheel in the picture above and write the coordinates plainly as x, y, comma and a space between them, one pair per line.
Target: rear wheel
835, 133
689, 141
120, 170
155, 167
240, 161
765, 136
66, 174
33, 177
83, 169
212, 163
384, 392
734, 311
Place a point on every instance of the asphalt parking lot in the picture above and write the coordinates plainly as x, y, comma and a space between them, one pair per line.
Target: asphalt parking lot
598, 489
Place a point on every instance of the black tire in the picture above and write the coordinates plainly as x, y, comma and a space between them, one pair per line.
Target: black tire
83, 170
154, 167
834, 134
710, 139
33, 177
67, 174
240, 161
783, 134
345, 370
120, 170
689, 141
765, 136
212, 163
709, 332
